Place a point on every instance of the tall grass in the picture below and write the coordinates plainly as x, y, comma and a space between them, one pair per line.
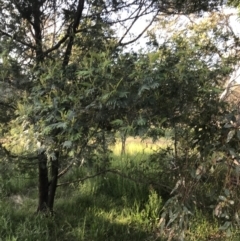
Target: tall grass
106, 208
136, 146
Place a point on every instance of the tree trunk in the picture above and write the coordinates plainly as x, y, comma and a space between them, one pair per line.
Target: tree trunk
123, 140
53, 182
47, 189
42, 182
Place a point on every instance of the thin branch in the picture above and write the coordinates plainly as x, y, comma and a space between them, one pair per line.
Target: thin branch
140, 35
54, 23
9, 154
128, 18
114, 171
138, 180
65, 170
17, 40
57, 45
130, 26
83, 179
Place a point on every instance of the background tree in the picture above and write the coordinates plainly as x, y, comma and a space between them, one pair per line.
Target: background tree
204, 149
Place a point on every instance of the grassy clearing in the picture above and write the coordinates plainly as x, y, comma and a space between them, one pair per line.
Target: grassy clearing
106, 208
136, 146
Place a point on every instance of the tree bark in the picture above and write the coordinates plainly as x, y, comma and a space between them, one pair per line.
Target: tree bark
123, 140
75, 25
53, 182
42, 182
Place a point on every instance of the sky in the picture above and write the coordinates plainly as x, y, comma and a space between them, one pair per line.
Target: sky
143, 22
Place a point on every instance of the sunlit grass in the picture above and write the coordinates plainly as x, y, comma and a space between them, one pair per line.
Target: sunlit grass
136, 146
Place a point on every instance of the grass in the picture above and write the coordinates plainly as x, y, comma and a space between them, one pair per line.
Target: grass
91, 212
136, 146
106, 208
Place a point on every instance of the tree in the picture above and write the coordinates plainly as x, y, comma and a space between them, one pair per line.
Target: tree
189, 75
64, 91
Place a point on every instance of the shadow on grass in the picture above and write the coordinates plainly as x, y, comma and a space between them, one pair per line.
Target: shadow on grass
109, 208
84, 222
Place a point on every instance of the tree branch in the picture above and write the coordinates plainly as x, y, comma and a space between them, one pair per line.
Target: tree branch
65, 170
134, 21
75, 25
140, 35
114, 171
17, 40
9, 154
83, 179
57, 45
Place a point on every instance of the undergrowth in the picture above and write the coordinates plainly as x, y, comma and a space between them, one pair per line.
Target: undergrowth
105, 208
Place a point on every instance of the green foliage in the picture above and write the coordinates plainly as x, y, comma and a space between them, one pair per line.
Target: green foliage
199, 166
80, 88
233, 3
204, 227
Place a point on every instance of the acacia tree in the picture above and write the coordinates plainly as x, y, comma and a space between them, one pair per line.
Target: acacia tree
67, 93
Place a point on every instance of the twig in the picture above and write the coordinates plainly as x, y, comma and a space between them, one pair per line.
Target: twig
82, 179
140, 35
16, 39
114, 171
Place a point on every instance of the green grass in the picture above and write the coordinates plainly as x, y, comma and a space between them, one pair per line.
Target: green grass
105, 208
136, 146
91, 211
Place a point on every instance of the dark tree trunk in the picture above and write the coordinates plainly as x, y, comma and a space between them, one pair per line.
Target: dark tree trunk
47, 189
42, 182
53, 182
